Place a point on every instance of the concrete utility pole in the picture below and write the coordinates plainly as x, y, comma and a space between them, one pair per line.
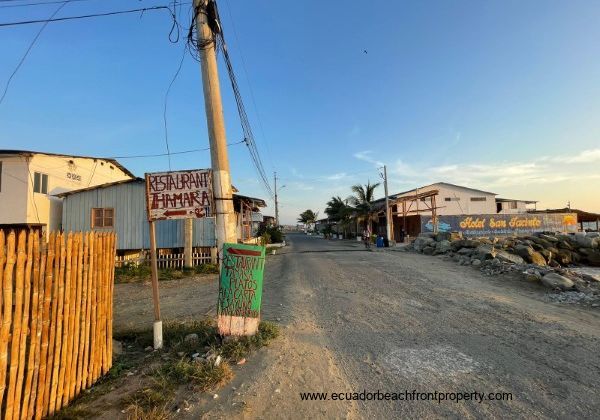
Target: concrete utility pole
225, 217
276, 204
388, 221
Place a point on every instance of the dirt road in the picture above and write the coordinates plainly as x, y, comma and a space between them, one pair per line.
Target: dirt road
390, 321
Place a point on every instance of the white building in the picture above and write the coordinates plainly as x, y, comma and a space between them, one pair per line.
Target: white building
29, 181
452, 199
511, 206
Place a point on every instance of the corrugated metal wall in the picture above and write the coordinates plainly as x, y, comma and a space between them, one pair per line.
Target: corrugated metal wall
131, 225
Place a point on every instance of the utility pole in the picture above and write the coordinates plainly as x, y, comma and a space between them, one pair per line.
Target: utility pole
388, 221
225, 217
276, 203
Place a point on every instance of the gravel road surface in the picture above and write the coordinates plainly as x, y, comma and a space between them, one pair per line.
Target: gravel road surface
388, 321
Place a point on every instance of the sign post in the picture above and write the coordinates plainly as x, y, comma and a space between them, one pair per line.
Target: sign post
174, 195
240, 289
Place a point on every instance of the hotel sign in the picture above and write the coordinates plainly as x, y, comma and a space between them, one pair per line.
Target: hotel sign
179, 194
502, 224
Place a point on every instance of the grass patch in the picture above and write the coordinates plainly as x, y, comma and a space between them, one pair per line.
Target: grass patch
131, 273
207, 269
202, 364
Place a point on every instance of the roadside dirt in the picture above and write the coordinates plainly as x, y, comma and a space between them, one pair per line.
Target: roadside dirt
354, 320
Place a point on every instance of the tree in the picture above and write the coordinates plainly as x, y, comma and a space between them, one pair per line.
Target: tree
308, 217
339, 211
362, 201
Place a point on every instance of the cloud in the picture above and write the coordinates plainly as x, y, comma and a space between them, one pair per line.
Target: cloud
336, 177
365, 155
586, 156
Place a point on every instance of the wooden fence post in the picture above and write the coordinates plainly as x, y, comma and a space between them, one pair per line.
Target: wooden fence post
7, 302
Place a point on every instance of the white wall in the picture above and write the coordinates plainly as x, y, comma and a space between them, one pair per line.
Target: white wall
521, 207
13, 191
64, 174
460, 201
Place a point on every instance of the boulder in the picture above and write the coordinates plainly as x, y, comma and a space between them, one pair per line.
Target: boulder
524, 251
565, 245
465, 251
593, 258
508, 257
485, 252
428, 250
556, 281
584, 241
465, 243
421, 242
476, 262
442, 236
592, 278
455, 236
549, 238
563, 257
533, 278
443, 246
537, 259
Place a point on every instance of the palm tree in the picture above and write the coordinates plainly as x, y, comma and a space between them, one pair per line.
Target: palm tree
338, 211
362, 199
308, 217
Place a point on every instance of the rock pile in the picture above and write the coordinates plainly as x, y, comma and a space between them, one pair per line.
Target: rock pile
543, 258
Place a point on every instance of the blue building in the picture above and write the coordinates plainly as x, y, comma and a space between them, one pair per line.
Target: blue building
121, 207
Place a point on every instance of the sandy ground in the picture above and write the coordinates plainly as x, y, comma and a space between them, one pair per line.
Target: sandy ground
355, 320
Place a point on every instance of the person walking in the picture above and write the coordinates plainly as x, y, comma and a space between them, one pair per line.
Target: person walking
367, 237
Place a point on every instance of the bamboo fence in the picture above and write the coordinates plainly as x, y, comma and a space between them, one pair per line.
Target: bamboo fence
55, 318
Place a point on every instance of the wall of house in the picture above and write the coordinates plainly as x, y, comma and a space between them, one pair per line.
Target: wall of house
13, 190
130, 219
460, 201
506, 207
65, 174
21, 205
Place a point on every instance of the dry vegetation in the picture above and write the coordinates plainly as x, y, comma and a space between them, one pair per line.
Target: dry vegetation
199, 365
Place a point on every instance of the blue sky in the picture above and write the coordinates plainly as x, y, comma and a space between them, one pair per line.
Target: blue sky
500, 95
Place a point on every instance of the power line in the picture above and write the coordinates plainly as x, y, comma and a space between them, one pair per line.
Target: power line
22, 60
117, 12
38, 3
171, 153
166, 101
218, 41
239, 47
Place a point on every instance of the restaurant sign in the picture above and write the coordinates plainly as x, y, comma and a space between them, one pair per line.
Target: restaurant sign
179, 194
240, 289
502, 224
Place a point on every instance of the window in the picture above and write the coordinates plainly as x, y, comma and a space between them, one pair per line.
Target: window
103, 218
478, 198
512, 205
40, 183
452, 199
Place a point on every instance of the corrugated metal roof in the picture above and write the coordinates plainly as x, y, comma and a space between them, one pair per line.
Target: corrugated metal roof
31, 153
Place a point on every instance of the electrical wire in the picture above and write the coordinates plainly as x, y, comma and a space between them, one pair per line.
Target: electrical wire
172, 153
217, 41
256, 111
31, 44
93, 15
39, 3
166, 102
